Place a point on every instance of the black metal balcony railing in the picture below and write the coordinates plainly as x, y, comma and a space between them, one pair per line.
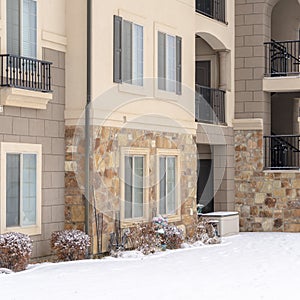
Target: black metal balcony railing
282, 152
209, 105
214, 9
25, 73
282, 58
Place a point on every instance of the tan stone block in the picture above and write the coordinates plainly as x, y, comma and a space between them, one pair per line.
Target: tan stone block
279, 193
267, 187
267, 225
292, 227
288, 175
70, 166
260, 198
277, 184
77, 213
296, 183
296, 213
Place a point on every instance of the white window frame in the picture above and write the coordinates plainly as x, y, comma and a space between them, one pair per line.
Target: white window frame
135, 152
173, 153
19, 148
159, 93
38, 31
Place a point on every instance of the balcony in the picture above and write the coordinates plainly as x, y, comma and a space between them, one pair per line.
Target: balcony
282, 152
214, 9
209, 105
24, 82
282, 58
25, 73
282, 66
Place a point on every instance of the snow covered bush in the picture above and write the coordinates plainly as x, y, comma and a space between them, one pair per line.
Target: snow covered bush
173, 237
143, 237
70, 244
205, 232
15, 251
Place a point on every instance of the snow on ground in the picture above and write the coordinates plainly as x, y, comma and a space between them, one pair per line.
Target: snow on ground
247, 266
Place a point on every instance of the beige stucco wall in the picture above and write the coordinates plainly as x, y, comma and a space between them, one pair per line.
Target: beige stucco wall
173, 17
51, 25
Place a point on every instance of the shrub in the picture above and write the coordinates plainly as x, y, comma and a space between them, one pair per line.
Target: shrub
205, 232
173, 237
15, 251
143, 237
70, 244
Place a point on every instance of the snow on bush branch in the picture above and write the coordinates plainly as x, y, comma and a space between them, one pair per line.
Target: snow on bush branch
15, 251
70, 244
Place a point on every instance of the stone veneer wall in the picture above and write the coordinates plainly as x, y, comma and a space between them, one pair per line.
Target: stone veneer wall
46, 127
266, 201
107, 144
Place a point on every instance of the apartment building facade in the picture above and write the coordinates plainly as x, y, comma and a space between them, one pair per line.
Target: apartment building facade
151, 134
32, 62
160, 134
267, 115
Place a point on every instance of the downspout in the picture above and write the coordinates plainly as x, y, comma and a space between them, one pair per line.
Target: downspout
87, 114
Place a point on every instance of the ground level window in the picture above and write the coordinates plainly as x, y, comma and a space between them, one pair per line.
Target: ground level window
21, 187
134, 186
20, 190
167, 185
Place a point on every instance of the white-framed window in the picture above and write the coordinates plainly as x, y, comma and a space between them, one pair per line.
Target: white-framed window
128, 52
21, 27
21, 187
134, 185
169, 62
168, 186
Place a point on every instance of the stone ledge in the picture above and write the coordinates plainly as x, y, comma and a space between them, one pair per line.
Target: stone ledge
24, 98
247, 124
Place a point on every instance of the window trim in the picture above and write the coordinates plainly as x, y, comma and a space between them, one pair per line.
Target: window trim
24, 149
117, 51
170, 152
162, 94
127, 151
177, 62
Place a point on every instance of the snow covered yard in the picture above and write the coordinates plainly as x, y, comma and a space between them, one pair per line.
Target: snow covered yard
247, 266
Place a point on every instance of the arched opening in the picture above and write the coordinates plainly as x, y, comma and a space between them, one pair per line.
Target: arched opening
212, 74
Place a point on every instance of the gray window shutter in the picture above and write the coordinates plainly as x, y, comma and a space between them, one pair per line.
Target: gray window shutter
117, 48
13, 27
29, 28
178, 65
161, 61
127, 52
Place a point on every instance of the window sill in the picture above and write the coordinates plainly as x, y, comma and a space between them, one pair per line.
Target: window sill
30, 230
132, 89
166, 95
132, 222
24, 98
